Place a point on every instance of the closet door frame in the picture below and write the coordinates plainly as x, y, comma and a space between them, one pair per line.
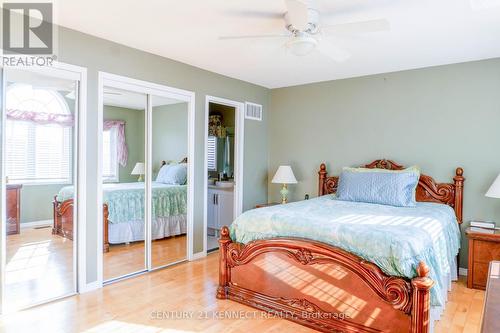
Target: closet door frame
150, 90
79, 75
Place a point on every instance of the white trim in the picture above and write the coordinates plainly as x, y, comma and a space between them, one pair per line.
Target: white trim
82, 181
79, 74
148, 88
90, 287
99, 235
36, 224
148, 130
462, 271
199, 255
3, 197
239, 150
190, 178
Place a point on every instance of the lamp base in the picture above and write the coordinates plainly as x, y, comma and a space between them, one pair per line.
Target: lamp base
140, 179
284, 194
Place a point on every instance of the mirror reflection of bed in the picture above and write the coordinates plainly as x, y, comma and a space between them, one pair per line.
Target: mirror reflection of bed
123, 189
125, 174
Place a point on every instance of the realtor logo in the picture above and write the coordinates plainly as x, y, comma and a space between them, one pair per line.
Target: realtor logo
27, 28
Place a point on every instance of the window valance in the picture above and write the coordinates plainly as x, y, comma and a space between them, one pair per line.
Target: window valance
41, 118
122, 149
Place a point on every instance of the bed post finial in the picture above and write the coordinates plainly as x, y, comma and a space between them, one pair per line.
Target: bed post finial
322, 177
224, 233
423, 270
421, 299
224, 241
459, 193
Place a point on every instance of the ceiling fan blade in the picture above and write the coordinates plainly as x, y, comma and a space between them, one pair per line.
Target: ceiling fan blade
254, 14
357, 27
332, 51
297, 13
284, 35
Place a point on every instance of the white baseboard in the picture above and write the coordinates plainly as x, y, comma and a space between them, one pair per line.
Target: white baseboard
462, 271
90, 287
199, 255
36, 224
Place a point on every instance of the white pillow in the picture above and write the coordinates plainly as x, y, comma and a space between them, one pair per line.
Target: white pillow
175, 174
160, 178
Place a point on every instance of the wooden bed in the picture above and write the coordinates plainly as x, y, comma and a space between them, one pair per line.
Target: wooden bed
63, 217
274, 274
63, 220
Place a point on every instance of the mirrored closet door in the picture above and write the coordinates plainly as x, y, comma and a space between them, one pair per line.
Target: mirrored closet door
145, 176
123, 182
40, 141
169, 138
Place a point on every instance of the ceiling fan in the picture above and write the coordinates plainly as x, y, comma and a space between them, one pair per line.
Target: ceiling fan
304, 31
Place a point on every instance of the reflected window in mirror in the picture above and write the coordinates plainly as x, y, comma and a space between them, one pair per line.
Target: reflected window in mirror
110, 169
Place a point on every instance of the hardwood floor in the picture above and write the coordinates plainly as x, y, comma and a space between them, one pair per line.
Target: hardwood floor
463, 310
128, 258
156, 302
39, 265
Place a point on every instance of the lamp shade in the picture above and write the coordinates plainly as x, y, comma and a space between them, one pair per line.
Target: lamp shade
494, 190
138, 169
284, 175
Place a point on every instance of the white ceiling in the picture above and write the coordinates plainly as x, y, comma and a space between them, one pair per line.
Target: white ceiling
423, 33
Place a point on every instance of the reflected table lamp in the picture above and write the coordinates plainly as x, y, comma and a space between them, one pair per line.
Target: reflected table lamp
284, 176
138, 170
494, 190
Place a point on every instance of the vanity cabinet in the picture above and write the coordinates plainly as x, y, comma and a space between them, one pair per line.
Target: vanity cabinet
220, 207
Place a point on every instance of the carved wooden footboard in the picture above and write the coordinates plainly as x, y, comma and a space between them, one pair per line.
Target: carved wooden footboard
325, 287
321, 286
63, 221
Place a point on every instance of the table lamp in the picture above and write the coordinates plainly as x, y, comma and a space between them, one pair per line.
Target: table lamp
494, 190
284, 176
138, 170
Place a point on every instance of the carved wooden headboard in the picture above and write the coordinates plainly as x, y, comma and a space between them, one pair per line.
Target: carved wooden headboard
184, 160
427, 189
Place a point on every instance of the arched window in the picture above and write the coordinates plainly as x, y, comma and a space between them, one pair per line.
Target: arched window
39, 135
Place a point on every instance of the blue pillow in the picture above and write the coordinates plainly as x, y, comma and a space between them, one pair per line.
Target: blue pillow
160, 178
175, 174
385, 188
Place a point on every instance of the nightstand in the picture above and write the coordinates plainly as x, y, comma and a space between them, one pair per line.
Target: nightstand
267, 205
484, 246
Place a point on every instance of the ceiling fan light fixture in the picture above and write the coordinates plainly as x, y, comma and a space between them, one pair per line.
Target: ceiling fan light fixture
301, 45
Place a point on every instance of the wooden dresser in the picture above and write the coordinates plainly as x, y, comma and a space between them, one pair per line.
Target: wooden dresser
484, 246
13, 208
491, 320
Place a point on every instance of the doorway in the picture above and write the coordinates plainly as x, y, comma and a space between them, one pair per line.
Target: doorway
43, 126
146, 172
224, 142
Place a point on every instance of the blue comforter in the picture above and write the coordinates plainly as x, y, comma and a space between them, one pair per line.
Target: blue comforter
394, 238
126, 200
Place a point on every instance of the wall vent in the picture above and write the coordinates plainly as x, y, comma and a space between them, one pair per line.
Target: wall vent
253, 111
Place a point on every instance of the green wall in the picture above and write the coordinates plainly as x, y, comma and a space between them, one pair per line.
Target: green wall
36, 202
134, 136
97, 54
170, 134
438, 118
